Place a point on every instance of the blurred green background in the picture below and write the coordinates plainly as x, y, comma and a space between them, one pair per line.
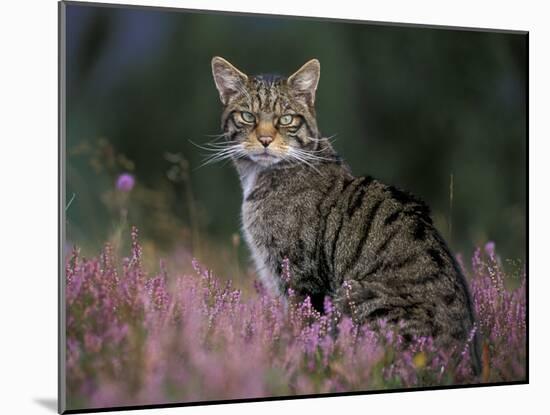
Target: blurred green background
411, 106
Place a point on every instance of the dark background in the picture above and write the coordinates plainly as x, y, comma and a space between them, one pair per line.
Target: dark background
409, 105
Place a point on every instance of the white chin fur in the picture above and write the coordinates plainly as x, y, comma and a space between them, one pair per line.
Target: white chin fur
263, 160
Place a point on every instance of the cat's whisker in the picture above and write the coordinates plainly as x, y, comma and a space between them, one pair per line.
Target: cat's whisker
223, 153
331, 139
322, 138
212, 161
217, 137
323, 150
214, 146
298, 157
238, 155
309, 155
234, 150
220, 146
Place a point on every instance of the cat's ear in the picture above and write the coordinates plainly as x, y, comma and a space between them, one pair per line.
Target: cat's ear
229, 80
305, 80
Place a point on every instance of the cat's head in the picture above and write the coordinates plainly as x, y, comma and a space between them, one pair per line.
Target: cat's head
268, 118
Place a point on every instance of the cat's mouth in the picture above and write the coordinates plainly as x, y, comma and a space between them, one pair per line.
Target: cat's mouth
264, 157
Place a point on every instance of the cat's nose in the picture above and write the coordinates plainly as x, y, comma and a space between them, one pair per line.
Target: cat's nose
265, 140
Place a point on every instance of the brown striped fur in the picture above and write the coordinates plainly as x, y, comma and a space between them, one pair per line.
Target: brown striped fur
349, 238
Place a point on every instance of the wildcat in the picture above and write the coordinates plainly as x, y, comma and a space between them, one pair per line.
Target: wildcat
354, 239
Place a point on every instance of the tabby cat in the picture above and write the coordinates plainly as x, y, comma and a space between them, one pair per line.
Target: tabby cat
353, 239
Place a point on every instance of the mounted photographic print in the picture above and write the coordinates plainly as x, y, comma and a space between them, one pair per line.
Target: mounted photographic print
256, 207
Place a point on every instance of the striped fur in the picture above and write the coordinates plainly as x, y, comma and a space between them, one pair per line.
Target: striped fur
349, 238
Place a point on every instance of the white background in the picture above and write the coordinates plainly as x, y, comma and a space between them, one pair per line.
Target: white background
28, 189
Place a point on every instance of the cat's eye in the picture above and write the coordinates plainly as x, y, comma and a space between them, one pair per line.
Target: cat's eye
248, 117
286, 119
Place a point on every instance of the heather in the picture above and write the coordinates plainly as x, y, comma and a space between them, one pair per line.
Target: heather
136, 336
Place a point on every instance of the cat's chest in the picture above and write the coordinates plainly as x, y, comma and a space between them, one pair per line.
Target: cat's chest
260, 219
276, 207
268, 222
264, 237
264, 202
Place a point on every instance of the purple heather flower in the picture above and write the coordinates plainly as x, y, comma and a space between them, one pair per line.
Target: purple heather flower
490, 248
201, 338
125, 182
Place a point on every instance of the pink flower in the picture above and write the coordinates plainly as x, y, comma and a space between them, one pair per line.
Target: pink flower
125, 182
